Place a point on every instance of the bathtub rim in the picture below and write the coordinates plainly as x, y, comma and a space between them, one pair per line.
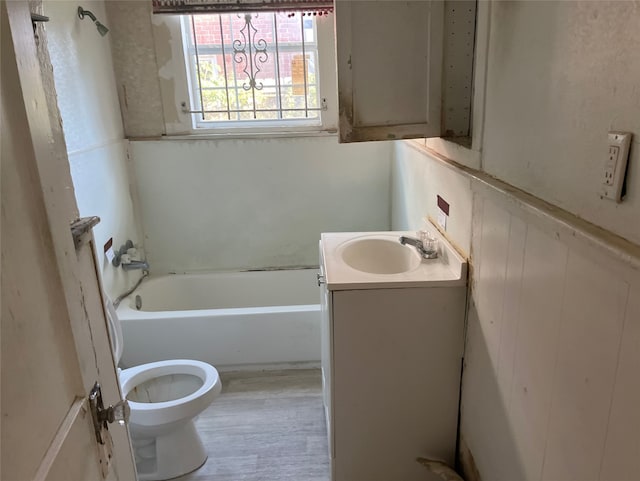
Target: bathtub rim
264, 359
126, 312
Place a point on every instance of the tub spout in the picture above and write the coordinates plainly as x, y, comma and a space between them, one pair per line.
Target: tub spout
133, 265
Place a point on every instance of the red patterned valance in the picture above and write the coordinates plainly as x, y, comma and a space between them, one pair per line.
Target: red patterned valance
314, 7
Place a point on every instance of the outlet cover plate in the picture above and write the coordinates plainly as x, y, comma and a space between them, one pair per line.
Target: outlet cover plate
615, 166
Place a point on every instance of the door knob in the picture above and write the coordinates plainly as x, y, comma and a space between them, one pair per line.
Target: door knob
119, 412
102, 416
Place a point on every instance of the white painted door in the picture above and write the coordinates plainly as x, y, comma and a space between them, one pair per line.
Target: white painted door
54, 337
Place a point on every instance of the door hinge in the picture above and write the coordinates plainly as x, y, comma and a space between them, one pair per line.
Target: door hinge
102, 417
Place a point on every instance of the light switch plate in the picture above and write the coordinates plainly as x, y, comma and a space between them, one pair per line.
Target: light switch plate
615, 166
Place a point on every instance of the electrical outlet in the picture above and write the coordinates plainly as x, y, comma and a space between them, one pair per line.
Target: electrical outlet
610, 166
615, 166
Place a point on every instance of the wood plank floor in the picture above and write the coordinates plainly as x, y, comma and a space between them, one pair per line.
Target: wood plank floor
265, 426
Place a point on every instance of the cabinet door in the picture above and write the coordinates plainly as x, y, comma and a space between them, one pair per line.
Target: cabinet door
389, 56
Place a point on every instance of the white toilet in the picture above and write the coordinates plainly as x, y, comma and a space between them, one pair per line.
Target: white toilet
164, 398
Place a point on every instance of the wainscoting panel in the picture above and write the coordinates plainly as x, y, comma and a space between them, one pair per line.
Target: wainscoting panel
550, 387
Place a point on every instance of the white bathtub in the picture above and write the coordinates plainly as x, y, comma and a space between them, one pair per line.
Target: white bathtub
231, 320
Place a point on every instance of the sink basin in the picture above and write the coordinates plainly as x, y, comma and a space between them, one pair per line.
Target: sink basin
377, 260
379, 255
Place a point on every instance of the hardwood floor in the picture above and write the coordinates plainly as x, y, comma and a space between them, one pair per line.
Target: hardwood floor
265, 426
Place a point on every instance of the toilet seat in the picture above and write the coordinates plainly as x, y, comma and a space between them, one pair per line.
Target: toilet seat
167, 412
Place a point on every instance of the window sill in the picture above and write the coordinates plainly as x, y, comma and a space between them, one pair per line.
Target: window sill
242, 135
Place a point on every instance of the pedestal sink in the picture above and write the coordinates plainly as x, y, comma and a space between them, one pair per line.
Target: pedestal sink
379, 255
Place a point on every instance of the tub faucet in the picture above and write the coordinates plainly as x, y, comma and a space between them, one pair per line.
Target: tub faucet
122, 258
417, 243
133, 265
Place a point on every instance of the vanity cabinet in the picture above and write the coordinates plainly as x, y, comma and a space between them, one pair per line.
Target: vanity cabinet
326, 352
404, 68
391, 366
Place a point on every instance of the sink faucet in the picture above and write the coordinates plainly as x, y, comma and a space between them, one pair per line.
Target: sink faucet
417, 243
133, 265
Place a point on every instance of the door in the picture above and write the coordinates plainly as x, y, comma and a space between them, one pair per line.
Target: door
54, 344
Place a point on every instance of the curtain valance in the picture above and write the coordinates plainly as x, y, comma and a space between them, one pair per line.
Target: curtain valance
313, 7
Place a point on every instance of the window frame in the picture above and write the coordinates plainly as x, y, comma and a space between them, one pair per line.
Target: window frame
200, 123
174, 76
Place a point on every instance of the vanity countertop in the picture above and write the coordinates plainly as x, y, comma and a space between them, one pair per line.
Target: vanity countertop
448, 269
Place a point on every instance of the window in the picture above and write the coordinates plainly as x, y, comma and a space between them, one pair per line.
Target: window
252, 69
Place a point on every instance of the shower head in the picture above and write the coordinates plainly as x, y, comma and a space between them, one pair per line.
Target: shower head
102, 30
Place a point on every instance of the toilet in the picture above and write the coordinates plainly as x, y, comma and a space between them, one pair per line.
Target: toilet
164, 397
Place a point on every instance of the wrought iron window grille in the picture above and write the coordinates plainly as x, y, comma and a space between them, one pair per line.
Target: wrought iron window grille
251, 52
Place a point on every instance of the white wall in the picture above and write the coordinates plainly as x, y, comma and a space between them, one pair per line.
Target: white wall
560, 76
417, 180
552, 351
255, 203
231, 203
553, 330
88, 102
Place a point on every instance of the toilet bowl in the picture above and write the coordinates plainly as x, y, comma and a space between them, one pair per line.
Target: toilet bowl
164, 398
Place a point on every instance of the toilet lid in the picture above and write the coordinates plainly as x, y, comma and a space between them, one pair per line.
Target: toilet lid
115, 331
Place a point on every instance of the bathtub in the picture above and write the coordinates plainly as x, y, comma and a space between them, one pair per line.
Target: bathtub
232, 320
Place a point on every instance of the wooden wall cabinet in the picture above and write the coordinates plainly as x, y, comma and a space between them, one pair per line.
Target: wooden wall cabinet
404, 68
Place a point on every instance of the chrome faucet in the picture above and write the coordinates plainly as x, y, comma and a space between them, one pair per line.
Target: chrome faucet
417, 243
133, 265
122, 259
